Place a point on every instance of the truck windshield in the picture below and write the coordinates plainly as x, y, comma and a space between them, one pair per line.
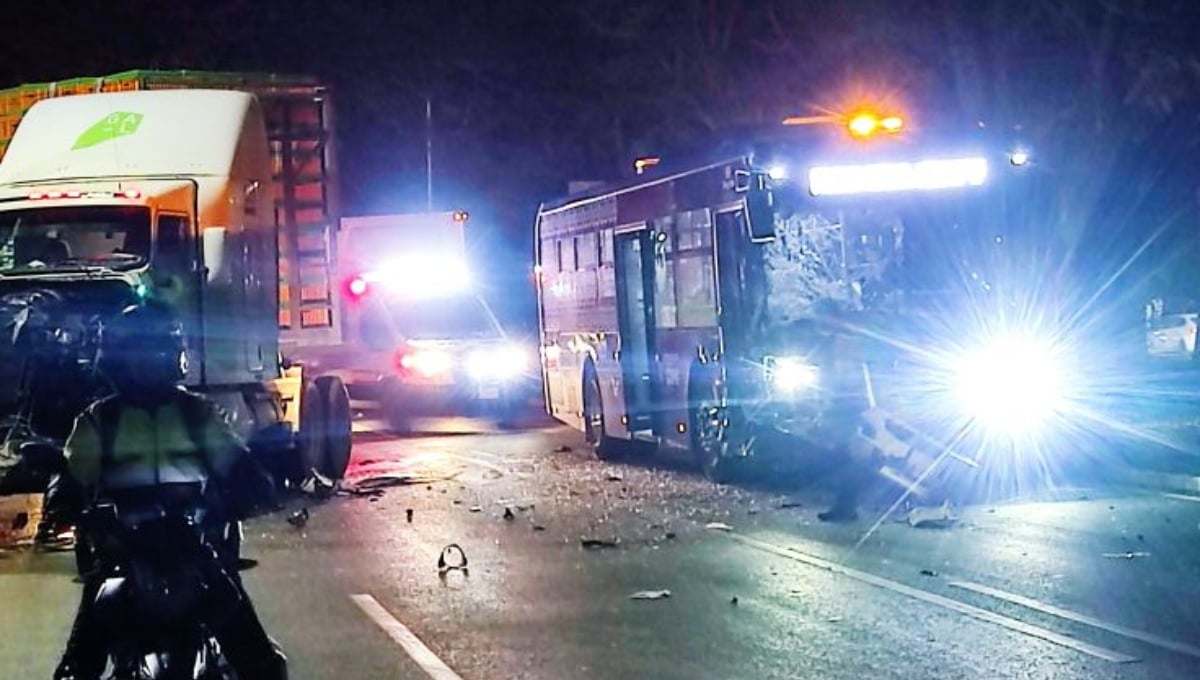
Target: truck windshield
112, 237
443, 318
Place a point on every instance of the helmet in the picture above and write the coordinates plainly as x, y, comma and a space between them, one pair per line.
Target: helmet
143, 351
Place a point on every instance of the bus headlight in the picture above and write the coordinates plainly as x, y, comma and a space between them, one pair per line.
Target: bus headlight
1012, 384
789, 375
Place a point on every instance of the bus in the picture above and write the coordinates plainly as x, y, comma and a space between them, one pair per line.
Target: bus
844, 288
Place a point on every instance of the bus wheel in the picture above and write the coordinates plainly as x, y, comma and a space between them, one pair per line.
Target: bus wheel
603, 446
339, 426
711, 443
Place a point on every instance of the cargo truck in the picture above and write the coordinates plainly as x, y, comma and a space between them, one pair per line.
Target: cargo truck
216, 195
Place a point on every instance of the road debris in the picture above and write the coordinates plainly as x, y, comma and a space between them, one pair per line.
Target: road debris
453, 558
670, 536
924, 517
650, 595
1126, 555
476, 508
788, 505
538, 527
599, 543
928, 572
718, 526
408, 515
733, 600
508, 514
613, 477
562, 449
299, 518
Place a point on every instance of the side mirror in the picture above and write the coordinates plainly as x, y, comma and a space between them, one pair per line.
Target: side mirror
760, 209
213, 243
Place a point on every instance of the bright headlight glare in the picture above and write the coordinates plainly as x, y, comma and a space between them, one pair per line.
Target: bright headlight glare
789, 374
502, 362
1011, 384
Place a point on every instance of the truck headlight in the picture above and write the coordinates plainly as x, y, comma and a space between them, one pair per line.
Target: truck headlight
1012, 384
790, 374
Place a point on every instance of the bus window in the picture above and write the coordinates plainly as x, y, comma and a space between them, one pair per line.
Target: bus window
695, 292
606, 246
558, 255
664, 273
585, 251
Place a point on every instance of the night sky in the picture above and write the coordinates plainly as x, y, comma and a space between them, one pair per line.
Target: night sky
528, 96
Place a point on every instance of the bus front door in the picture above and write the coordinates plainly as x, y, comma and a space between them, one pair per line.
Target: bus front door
635, 317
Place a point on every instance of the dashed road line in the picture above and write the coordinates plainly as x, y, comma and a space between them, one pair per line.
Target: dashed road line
1030, 603
939, 601
401, 635
1182, 496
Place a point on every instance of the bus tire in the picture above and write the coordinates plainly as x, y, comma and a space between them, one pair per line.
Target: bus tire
339, 426
712, 441
603, 447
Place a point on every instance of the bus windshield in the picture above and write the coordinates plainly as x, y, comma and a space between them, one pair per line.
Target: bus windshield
66, 238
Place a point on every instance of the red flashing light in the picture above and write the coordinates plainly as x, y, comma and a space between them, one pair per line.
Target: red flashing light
357, 286
131, 193
460, 216
37, 196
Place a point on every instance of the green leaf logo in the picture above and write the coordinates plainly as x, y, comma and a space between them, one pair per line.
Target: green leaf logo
115, 124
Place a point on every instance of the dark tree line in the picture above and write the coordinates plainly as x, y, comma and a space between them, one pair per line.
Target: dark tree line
530, 95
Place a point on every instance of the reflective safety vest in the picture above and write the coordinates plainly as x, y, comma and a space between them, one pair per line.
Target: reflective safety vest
118, 445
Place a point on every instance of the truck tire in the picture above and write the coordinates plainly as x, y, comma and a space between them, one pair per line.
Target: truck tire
339, 426
603, 447
310, 440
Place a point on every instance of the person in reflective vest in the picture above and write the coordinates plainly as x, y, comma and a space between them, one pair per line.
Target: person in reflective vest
149, 439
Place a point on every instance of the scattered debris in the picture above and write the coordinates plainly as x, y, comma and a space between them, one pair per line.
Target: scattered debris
318, 485
508, 514
408, 515
562, 449
733, 600
787, 505
670, 536
718, 526
299, 518
834, 619
650, 595
524, 507
928, 572
538, 527
752, 511
1141, 538
599, 543
1126, 555
476, 508
939, 517
452, 558
613, 477
378, 483
457, 501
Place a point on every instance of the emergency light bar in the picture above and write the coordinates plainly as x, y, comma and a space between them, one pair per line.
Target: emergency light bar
57, 195
416, 276
842, 180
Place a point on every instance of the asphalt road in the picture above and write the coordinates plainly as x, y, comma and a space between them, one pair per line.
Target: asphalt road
1066, 583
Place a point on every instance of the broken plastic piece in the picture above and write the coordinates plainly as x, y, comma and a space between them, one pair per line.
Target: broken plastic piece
718, 526
650, 595
598, 543
452, 558
508, 514
299, 518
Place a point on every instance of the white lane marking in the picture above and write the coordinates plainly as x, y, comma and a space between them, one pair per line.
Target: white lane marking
1182, 497
401, 635
1148, 638
940, 601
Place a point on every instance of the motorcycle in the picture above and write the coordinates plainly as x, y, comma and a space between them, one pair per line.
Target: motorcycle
163, 589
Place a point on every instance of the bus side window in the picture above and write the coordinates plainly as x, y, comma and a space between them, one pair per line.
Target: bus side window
664, 273
695, 285
558, 255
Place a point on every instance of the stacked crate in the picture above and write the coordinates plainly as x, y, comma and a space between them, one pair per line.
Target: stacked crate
298, 116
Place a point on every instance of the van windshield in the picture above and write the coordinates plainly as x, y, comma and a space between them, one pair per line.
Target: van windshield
73, 238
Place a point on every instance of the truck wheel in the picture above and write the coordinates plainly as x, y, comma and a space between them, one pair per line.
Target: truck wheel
339, 426
310, 439
603, 446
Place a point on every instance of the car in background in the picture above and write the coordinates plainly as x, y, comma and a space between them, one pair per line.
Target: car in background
1172, 336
